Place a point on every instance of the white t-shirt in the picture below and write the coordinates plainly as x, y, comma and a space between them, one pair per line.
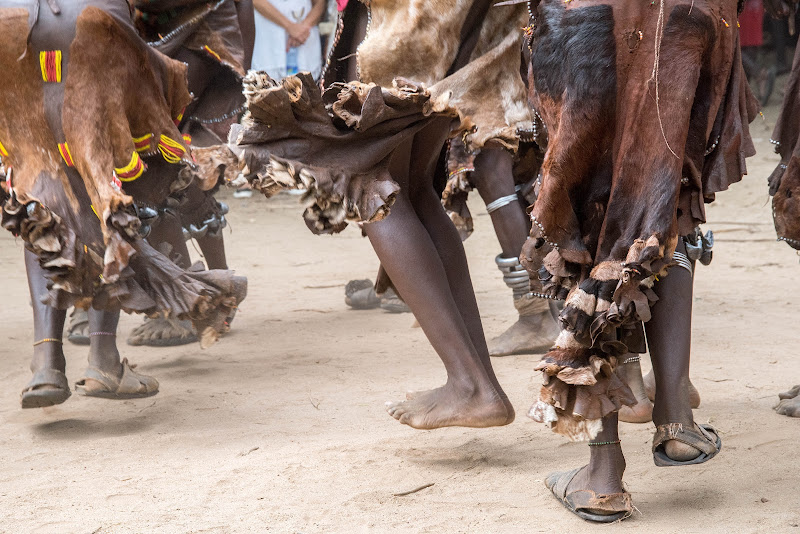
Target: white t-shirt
269, 52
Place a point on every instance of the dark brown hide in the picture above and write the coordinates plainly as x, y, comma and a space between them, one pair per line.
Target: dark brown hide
76, 218
784, 183
645, 124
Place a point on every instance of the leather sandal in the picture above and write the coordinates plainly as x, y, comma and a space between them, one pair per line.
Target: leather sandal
703, 438
587, 504
131, 385
31, 397
360, 295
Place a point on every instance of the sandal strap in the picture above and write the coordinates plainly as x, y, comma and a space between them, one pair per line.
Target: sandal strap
48, 377
130, 383
699, 437
564, 478
108, 381
133, 383
588, 500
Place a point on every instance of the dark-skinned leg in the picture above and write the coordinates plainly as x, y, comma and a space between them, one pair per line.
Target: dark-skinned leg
103, 352
213, 249
650, 388
168, 230
603, 474
630, 371
428, 207
48, 322
536, 329
409, 254
106, 375
669, 338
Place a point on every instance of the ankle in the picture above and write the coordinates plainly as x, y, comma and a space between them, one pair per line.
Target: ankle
48, 356
606, 460
103, 352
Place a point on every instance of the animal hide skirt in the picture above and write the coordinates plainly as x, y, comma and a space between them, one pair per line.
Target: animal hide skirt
646, 110
784, 183
337, 144
88, 121
207, 37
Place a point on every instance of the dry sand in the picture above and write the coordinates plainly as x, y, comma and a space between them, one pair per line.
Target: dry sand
281, 427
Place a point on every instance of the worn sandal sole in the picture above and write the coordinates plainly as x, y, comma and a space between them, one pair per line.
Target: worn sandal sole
44, 398
113, 396
594, 518
587, 516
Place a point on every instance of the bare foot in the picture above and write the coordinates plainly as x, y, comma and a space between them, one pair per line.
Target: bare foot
642, 412
531, 334
790, 403
451, 406
680, 452
411, 395
650, 388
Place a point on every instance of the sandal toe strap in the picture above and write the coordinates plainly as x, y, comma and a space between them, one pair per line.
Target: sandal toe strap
48, 377
133, 382
700, 437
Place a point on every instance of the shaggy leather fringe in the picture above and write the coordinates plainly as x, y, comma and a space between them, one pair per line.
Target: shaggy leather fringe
335, 145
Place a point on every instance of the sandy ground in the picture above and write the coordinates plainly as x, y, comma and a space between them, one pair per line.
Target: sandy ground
281, 426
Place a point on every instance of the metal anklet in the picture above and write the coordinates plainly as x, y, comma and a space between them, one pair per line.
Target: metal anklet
102, 334
683, 261
632, 359
599, 443
48, 340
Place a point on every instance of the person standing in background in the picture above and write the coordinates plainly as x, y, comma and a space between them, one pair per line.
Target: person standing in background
287, 37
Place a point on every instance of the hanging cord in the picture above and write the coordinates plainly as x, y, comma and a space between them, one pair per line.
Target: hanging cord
654, 75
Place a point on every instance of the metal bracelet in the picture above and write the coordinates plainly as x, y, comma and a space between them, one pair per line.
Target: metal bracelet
501, 202
683, 261
632, 359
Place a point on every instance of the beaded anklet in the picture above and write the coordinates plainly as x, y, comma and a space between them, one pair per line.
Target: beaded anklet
598, 443
48, 340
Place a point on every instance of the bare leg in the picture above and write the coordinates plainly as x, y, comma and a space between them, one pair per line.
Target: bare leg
421, 251
168, 229
494, 179
606, 466
213, 249
103, 352
631, 373
107, 376
597, 487
48, 323
536, 329
650, 388
669, 337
